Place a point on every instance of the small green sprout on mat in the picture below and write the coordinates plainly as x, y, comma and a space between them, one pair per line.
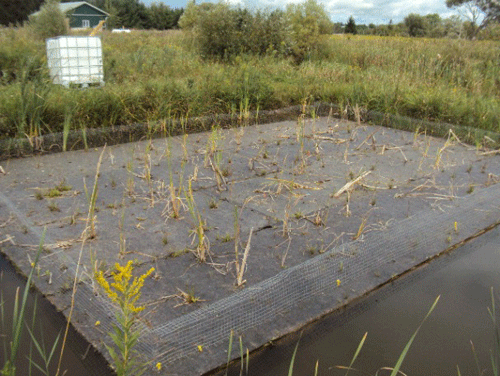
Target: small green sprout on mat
124, 293
203, 246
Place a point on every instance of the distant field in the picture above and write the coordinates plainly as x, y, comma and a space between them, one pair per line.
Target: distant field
154, 76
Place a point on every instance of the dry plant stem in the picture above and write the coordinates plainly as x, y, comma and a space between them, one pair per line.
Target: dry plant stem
440, 153
147, 173
219, 177
347, 209
187, 298
492, 152
290, 185
283, 258
424, 155
350, 184
239, 280
370, 136
346, 153
89, 231
184, 148
72, 306
8, 238
175, 201
121, 226
90, 220
286, 228
203, 246
236, 238
450, 132
361, 228
357, 114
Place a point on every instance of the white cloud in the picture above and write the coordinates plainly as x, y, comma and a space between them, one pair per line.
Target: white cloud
363, 11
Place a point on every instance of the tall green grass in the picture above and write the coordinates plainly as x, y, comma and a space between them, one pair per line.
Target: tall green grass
158, 76
18, 322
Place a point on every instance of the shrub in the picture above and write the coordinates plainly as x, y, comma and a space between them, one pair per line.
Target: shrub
217, 32
222, 31
20, 55
309, 22
50, 21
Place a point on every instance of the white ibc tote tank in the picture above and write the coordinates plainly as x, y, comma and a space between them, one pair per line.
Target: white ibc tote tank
75, 60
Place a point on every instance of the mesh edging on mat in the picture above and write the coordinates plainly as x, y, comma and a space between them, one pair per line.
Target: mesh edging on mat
401, 247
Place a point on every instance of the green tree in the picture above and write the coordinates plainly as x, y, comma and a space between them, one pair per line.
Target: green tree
453, 27
474, 10
216, 31
433, 25
415, 24
269, 33
16, 12
50, 21
161, 17
350, 27
308, 23
130, 13
190, 19
124, 13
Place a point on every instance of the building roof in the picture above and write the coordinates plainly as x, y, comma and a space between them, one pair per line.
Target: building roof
66, 7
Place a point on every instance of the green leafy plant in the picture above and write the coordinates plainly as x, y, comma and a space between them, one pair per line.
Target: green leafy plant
396, 369
203, 245
124, 293
43, 352
19, 311
50, 21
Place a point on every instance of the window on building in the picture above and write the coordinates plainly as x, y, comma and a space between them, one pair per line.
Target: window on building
86, 24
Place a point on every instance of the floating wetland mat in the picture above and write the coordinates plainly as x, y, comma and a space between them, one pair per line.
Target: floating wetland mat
320, 210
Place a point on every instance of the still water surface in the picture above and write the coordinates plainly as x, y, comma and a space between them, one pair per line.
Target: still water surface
79, 358
391, 315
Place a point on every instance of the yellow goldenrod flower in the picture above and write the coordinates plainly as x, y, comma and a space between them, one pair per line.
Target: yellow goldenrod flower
338, 282
97, 323
124, 291
200, 348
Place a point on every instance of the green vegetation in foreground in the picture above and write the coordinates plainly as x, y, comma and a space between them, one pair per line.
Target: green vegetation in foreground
10, 350
159, 76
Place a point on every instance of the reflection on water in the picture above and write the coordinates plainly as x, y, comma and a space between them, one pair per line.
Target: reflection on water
391, 315
79, 358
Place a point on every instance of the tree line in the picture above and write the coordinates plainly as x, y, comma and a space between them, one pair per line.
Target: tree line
134, 14
428, 26
481, 16
123, 13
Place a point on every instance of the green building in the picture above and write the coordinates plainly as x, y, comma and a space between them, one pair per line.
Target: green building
82, 15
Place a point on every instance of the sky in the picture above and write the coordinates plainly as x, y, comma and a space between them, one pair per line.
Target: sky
363, 11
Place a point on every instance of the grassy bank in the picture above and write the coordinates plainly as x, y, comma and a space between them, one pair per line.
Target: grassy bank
154, 76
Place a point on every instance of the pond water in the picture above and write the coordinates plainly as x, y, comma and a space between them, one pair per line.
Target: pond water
391, 315
79, 359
